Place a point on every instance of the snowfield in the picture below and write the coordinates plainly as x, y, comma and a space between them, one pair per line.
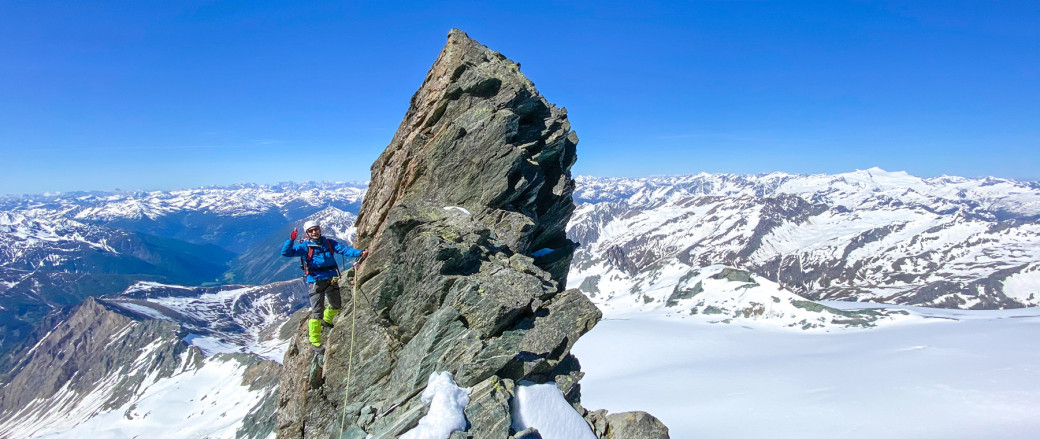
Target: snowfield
940, 374
206, 402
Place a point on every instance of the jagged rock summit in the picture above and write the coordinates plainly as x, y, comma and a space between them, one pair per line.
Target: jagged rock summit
465, 223
479, 136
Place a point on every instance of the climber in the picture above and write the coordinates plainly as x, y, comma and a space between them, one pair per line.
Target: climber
318, 261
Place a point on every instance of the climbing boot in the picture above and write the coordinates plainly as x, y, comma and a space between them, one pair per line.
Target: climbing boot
315, 378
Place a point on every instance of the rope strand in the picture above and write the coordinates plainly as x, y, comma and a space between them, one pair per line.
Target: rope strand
350, 355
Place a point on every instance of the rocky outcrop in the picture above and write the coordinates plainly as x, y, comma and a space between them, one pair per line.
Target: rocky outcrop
465, 221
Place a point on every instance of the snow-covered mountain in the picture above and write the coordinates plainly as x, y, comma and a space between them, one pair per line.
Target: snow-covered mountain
89, 232
858, 189
57, 249
161, 360
226, 216
228, 319
49, 264
86, 232
233, 200
134, 249
728, 295
866, 235
35, 241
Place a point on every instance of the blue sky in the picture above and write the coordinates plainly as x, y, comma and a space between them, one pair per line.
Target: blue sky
164, 95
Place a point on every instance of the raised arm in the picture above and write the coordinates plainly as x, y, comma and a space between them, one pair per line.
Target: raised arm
288, 249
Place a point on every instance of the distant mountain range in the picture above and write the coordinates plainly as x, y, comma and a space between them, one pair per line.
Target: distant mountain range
867, 235
228, 216
167, 318
56, 250
157, 360
864, 235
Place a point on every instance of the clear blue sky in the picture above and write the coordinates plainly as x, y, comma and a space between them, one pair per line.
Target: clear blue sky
174, 94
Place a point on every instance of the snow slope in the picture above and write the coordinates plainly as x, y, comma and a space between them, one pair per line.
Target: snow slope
230, 319
207, 402
940, 374
720, 294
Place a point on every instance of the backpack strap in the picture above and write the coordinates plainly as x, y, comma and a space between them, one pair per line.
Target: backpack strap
332, 254
305, 264
305, 261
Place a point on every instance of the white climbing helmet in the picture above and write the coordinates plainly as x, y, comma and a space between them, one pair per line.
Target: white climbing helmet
309, 225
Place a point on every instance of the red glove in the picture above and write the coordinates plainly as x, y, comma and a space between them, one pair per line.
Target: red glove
292, 237
364, 254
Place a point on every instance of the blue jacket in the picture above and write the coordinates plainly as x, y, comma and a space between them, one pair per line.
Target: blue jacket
323, 264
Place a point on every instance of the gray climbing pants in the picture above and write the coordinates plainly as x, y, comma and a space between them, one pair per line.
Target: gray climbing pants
317, 292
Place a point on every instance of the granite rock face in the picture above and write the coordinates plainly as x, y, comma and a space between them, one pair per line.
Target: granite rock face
465, 223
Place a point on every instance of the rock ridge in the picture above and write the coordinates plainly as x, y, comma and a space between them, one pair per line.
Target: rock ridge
465, 221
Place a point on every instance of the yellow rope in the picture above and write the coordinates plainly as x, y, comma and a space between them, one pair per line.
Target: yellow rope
350, 357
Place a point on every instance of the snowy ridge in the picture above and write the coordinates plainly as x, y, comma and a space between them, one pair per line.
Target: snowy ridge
188, 362
867, 235
237, 200
231, 319
208, 401
30, 233
202, 398
851, 189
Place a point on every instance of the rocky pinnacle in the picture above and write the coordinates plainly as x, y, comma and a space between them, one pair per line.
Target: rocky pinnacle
479, 136
465, 222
